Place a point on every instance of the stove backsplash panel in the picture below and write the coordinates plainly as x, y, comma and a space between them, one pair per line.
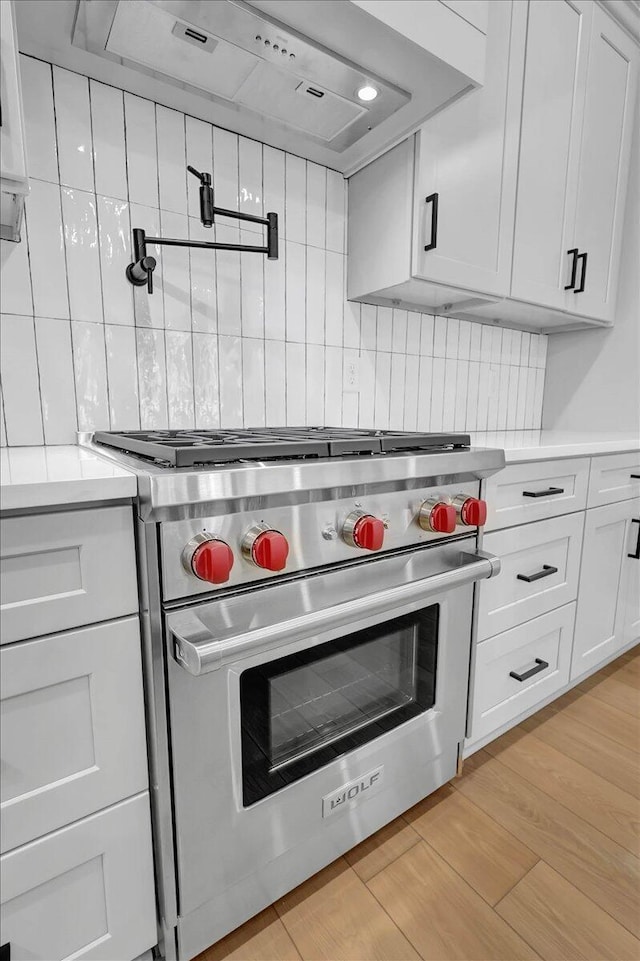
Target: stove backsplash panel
227, 339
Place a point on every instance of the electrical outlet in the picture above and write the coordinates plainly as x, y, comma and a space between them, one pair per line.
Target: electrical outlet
352, 377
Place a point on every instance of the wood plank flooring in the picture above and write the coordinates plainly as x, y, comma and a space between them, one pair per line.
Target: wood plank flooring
533, 853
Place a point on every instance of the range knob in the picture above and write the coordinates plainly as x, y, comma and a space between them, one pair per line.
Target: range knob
209, 558
470, 511
438, 516
265, 548
363, 530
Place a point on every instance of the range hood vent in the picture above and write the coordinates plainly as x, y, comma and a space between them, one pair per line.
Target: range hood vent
232, 52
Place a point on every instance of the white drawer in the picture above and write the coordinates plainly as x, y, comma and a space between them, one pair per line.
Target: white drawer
498, 697
72, 736
66, 569
531, 492
86, 891
611, 478
531, 552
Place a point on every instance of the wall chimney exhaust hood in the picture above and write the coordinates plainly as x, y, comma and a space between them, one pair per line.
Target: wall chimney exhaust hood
327, 79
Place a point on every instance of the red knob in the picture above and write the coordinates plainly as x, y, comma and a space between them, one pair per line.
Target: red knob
212, 561
473, 512
442, 518
368, 532
270, 550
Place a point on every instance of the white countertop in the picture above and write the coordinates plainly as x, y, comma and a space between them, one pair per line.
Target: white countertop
532, 445
53, 476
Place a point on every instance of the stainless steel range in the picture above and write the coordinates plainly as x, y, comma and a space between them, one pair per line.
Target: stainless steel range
306, 609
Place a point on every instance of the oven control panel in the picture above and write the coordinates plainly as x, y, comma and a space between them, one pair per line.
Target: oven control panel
213, 553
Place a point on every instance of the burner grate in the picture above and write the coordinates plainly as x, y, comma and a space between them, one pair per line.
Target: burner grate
187, 448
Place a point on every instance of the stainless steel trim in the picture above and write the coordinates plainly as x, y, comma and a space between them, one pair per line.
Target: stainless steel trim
169, 494
349, 526
198, 651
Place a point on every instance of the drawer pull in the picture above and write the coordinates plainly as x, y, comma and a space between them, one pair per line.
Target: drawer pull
635, 477
636, 555
550, 491
433, 241
540, 666
547, 571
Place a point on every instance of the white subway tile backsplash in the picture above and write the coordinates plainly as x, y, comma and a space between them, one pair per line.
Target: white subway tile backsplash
73, 125
83, 255
122, 376
296, 381
205, 380
225, 169
57, 390
142, 154
295, 287
90, 369
39, 119
172, 160
114, 231
152, 378
109, 152
20, 384
315, 288
295, 227
253, 375
179, 379
333, 386
275, 392
46, 251
316, 205
227, 339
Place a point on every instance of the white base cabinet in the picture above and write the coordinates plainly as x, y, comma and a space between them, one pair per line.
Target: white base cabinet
572, 528
609, 597
84, 892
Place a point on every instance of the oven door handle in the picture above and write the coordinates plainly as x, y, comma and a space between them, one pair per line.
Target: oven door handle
198, 652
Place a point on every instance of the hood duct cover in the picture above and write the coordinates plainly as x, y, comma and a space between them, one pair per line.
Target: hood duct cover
229, 51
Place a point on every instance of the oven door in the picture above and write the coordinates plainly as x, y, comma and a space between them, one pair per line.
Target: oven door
307, 714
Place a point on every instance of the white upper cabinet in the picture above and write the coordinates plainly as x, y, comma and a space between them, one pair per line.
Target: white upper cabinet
554, 83
439, 207
509, 204
577, 114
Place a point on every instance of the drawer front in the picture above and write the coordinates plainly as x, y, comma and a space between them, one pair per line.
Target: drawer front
72, 736
86, 891
538, 651
532, 492
614, 477
66, 569
527, 585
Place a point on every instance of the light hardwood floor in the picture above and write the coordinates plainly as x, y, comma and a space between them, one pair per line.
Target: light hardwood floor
532, 853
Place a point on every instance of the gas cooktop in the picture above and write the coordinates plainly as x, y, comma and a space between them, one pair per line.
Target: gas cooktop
190, 448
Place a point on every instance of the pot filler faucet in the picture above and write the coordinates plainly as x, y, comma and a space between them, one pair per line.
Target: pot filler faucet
140, 272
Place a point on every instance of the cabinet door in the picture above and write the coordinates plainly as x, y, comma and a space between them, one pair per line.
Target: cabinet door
604, 164
629, 601
604, 578
466, 158
13, 166
553, 98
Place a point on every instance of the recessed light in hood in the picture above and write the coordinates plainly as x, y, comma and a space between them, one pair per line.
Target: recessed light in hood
228, 50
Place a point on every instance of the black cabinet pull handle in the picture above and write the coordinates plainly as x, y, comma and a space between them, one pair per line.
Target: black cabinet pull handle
635, 476
5, 952
583, 276
550, 491
540, 666
636, 556
574, 268
433, 199
547, 571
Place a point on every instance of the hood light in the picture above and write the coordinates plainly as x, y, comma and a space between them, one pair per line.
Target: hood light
366, 93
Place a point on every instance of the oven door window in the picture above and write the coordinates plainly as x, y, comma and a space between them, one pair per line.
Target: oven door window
303, 711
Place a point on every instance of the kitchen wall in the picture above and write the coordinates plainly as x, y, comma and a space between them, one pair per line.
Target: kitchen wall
226, 339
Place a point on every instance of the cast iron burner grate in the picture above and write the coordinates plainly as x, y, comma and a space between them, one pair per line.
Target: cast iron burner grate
188, 448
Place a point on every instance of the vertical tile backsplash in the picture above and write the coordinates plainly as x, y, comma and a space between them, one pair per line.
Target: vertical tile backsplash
227, 339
